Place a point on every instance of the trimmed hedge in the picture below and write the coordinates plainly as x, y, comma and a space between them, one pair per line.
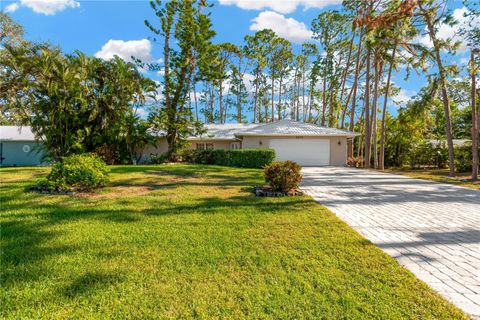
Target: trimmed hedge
241, 158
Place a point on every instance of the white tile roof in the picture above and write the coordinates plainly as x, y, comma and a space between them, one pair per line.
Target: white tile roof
16, 133
294, 128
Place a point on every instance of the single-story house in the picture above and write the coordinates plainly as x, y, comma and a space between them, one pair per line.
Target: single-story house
18, 147
306, 143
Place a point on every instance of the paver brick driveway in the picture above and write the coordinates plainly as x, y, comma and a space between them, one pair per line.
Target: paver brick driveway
431, 228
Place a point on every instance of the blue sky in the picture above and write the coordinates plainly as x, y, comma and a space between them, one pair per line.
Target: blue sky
88, 26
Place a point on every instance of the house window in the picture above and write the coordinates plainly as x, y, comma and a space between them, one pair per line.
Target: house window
205, 146
234, 145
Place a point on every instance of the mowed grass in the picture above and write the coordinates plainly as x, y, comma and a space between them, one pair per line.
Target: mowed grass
184, 241
440, 175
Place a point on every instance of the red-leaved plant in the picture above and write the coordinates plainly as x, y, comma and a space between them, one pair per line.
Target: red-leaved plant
283, 176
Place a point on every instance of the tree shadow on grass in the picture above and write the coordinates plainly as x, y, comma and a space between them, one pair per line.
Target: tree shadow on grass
23, 249
30, 224
91, 282
25, 234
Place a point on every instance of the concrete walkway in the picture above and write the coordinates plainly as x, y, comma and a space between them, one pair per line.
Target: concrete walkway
431, 228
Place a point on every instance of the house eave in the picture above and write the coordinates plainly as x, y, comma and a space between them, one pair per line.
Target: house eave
298, 135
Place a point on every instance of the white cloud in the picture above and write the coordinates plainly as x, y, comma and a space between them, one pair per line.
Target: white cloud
247, 81
445, 31
12, 7
287, 28
49, 7
141, 49
403, 97
282, 6
142, 113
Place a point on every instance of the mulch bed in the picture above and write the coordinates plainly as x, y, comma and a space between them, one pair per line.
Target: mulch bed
45, 190
266, 191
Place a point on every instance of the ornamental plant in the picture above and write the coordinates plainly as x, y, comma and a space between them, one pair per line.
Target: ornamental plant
77, 172
283, 176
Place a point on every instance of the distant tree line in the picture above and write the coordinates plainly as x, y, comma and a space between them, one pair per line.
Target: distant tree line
342, 79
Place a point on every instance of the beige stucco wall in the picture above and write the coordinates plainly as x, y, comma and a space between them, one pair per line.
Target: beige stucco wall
217, 144
338, 153
162, 147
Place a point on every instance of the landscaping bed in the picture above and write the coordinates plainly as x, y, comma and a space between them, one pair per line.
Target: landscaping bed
266, 191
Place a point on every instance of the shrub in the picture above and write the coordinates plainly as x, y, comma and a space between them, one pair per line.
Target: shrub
426, 154
463, 157
242, 158
107, 154
283, 175
356, 162
78, 172
158, 158
204, 156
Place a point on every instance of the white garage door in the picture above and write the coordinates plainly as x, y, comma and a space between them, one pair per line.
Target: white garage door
306, 152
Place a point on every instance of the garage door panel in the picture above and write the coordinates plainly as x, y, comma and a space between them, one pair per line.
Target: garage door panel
306, 152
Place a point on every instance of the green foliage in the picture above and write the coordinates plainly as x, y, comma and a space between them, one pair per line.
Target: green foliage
283, 175
463, 157
74, 102
78, 172
159, 158
242, 158
186, 33
428, 154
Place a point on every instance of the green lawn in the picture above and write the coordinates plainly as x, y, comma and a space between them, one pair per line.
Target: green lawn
440, 175
184, 241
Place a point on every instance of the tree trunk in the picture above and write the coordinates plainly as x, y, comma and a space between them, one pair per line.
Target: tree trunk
475, 120
273, 94
220, 101
345, 73
297, 99
384, 112
171, 132
212, 102
279, 105
239, 101
368, 132
378, 73
324, 100
443, 86
310, 98
195, 97
255, 98
354, 88
303, 94
345, 108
